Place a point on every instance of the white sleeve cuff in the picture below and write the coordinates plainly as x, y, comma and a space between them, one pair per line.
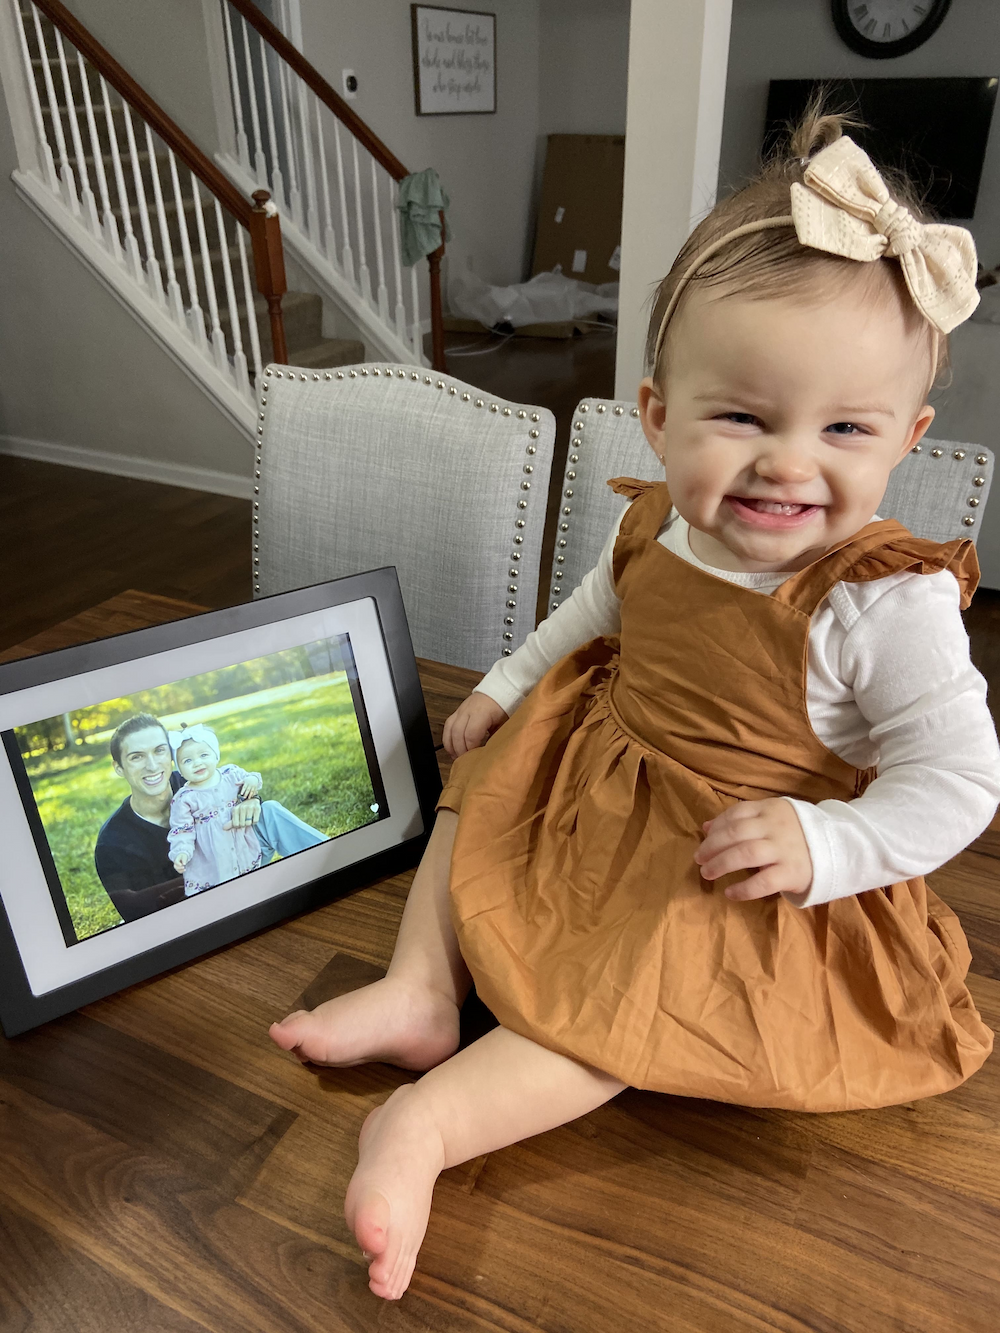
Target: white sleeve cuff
498, 688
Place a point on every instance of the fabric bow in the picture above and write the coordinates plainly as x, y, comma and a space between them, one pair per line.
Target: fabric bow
199, 732
847, 211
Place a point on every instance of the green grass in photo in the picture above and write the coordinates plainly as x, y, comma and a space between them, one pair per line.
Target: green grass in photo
303, 738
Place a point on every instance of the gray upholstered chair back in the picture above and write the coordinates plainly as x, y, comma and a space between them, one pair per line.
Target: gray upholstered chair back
392, 465
938, 491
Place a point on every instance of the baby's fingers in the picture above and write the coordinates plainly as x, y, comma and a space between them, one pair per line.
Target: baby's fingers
752, 854
764, 884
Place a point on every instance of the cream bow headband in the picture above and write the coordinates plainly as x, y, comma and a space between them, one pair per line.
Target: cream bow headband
199, 732
844, 208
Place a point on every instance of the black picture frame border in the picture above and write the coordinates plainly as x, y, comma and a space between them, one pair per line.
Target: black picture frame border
415, 42
20, 1009
864, 46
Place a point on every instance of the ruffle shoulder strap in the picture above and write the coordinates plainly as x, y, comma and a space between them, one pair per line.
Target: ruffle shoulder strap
916, 555
882, 548
632, 488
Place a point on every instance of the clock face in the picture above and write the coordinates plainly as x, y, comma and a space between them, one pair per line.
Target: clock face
883, 28
888, 20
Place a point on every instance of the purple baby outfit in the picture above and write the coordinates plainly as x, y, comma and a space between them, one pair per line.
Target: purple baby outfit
197, 816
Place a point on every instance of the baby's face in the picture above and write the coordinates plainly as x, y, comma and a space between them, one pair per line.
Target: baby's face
780, 421
196, 763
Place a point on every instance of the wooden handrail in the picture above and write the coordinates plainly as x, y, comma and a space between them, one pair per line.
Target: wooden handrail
311, 76
263, 225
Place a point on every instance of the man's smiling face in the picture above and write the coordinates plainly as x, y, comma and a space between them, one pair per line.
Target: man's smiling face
146, 762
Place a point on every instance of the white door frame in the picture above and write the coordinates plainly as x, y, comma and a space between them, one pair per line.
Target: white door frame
677, 66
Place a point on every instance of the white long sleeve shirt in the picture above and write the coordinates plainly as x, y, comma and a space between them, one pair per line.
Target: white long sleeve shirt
890, 685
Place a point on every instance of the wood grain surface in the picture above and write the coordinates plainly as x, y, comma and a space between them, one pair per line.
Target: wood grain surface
167, 1170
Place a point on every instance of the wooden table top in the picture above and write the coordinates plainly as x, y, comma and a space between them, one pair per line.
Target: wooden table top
167, 1170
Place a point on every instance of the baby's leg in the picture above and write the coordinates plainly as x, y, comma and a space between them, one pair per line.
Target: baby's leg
410, 1017
500, 1090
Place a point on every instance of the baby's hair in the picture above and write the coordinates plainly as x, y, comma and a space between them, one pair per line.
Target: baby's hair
138, 723
773, 262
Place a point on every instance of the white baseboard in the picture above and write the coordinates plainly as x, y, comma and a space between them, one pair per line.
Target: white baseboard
124, 465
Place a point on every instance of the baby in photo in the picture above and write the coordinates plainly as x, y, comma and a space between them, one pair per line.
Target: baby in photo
204, 846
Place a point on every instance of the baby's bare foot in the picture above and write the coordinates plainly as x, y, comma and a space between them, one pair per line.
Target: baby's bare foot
399, 1022
400, 1155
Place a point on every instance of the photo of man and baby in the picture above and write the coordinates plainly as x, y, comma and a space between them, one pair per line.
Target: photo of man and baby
142, 801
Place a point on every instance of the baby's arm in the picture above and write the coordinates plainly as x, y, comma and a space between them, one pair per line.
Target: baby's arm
250, 783
907, 659
593, 609
180, 836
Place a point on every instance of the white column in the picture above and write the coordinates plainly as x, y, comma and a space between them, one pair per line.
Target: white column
678, 54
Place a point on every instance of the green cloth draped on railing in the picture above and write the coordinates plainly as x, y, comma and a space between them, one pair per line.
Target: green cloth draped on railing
421, 203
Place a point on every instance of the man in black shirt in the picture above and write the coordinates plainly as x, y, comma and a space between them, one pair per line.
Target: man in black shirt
132, 857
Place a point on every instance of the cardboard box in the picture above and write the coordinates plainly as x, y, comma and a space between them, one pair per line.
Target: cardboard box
580, 210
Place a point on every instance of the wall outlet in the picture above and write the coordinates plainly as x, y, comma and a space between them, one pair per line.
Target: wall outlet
349, 81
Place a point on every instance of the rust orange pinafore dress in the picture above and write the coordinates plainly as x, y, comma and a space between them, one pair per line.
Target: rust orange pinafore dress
581, 913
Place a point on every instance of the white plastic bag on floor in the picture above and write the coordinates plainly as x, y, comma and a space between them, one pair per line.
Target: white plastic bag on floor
547, 298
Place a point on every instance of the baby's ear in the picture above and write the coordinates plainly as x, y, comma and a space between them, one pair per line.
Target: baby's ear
920, 427
652, 415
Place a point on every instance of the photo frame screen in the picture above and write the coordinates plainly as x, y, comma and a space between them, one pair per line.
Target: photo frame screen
140, 802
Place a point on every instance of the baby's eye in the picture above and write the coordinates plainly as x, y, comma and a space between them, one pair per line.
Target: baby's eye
740, 418
846, 428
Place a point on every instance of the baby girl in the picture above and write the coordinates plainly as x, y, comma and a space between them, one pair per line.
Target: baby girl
204, 847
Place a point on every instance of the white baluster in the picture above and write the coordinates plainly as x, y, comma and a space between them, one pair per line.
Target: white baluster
277, 178
195, 314
364, 277
294, 193
346, 254
312, 226
87, 199
242, 148
251, 310
383, 293
218, 337
396, 266
132, 256
259, 161
152, 267
67, 180
329, 239
416, 332
46, 161
109, 223
239, 369
175, 302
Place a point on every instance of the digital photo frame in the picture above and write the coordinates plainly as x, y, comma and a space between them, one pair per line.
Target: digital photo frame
166, 792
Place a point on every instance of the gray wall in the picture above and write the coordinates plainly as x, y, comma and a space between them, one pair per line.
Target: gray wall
583, 66
486, 162
796, 39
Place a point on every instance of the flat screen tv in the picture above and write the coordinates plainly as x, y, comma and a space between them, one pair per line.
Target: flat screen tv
933, 129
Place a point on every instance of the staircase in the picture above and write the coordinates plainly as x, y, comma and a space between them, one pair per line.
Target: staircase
165, 228
302, 311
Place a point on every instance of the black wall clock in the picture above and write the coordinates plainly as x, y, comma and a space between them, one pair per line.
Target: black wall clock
885, 28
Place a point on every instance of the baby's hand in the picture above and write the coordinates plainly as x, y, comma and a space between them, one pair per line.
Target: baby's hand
180, 864
472, 723
248, 791
761, 835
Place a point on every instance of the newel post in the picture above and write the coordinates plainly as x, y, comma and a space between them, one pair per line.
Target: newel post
269, 263
437, 313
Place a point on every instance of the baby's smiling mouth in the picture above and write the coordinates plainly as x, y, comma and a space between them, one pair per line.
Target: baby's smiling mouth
772, 506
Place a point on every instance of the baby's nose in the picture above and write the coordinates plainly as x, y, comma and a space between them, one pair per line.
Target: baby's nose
786, 461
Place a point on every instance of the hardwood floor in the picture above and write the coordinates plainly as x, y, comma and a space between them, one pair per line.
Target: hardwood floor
73, 538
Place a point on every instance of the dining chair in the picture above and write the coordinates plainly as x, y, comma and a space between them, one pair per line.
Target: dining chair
381, 464
938, 490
